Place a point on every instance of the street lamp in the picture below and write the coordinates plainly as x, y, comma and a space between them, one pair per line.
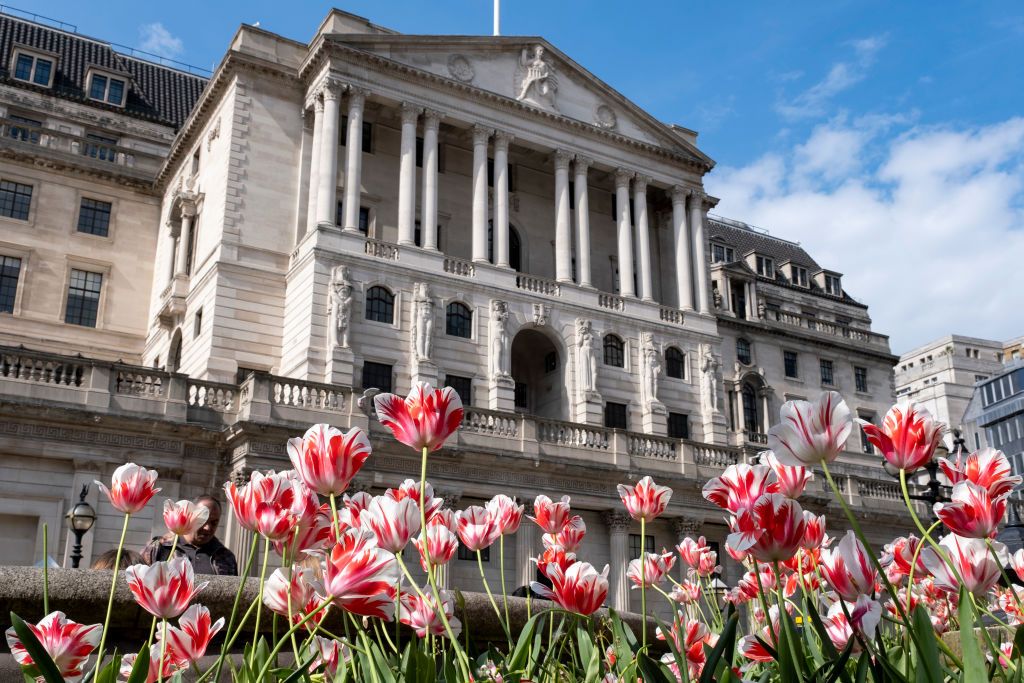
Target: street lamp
80, 519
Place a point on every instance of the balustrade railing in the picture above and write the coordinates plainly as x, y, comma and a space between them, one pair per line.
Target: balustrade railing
457, 266
221, 398
106, 152
610, 301
42, 369
538, 285
140, 382
671, 315
381, 250
714, 456
827, 327
300, 394
490, 423
647, 446
572, 434
879, 489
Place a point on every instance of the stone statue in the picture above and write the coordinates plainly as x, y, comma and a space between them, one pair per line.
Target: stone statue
535, 78
422, 321
341, 306
500, 356
586, 357
709, 366
762, 308
650, 368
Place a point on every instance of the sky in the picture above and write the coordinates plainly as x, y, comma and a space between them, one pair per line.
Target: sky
887, 138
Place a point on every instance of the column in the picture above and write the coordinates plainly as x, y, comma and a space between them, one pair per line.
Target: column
681, 242
326, 193
181, 264
431, 123
501, 143
643, 235
700, 261
354, 158
407, 175
480, 137
563, 219
314, 162
625, 241
618, 544
580, 166
526, 547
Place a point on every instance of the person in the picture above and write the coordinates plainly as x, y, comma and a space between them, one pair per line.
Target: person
207, 554
106, 560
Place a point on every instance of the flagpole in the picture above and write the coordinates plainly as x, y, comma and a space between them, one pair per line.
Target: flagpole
497, 17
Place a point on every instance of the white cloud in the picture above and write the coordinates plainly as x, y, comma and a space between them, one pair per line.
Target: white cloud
841, 76
157, 39
926, 224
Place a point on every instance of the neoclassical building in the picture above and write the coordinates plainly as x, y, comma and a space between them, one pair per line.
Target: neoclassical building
367, 210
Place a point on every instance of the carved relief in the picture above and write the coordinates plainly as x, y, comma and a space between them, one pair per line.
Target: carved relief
650, 368
499, 341
213, 134
709, 366
535, 81
540, 314
604, 117
422, 321
586, 358
460, 69
341, 306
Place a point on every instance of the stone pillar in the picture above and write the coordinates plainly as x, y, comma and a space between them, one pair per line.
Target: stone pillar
407, 175
188, 213
618, 541
500, 237
314, 162
326, 193
643, 237
582, 202
480, 137
354, 158
625, 241
431, 123
681, 242
527, 548
563, 218
700, 261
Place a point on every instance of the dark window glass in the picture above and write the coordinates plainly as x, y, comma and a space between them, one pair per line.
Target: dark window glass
522, 396
614, 351
790, 360
197, 324
750, 421
27, 131
467, 554
490, 172
463, 386
615, 415
551, 361
675, 363
380, 305
43, 69
634, 545
115, 95
743, 351
377, 376
364, 217
678, 426
459, 320
417, 235
15, 200
419, 152
100, 147
860, 376
10, 269
826, 372
94, 217
98, 87
515, 253
83, 298
367, 137
23, 68
866, 445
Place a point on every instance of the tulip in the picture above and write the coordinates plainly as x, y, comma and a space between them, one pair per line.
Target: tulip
312, 530
299, 583
771, 530
579, 588
898, 557
246, 499
690, 551
441, 545
410, 488
810, 433
689, 637
814, 533
326, 459
849, 569
477, 529
189, 640
569, 538
422, 420
275, 521
907, 438
393, 522
988, 468
554, 557
646, 500
330, 654
791, 480
686, 593
739, 486
971, 559
651, 572
360, 576
423, 616
131, 488
865, 614
751, 648
971, 512
184, 517
162, 665
506, 514
551, 517
68, 643
353, 507
163, 589
1017, 563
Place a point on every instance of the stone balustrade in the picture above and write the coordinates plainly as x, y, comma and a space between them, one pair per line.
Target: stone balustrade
826, 328
611, 302
460, 267
670, 315
382, 250
491, 423
538, 285
647, 446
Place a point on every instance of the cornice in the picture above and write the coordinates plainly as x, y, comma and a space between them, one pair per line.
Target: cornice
112, 174
737, 323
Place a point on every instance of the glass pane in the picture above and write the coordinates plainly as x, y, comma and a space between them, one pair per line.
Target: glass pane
116, 93
98, 87
23, 69
43, 69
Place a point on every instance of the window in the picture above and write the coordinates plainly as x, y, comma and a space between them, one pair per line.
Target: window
789, 359
195, 160
634, 545
467, 554
23, 128
550, 361
515, 247
463, 386
615, 415
10, 270
798, 276
33, 69
459, 320
380, 305
748, 396
197, 324
866, 445
377, 376
522, 395
614, 351
833, 285
826, 372
722, 254
860, 379
94, 217
100, 147
364, 218
765, 267
743, 351
678, 426
367, 138
15, 200
675, 363
83, 298
107, 89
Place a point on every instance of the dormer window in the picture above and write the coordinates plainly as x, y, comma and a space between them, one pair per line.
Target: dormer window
107, 88
798, 275
722, 254
766, 267
33, 68
833, 285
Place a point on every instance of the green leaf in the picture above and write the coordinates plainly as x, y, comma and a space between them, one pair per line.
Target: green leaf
862, 668
110, 672
839, 664
583, 644
300, 673
40, 657
721, 655
624, 642
140, 670
788, 668
592, 674
930, 668
517, 662
384, 671
974, 661
653, 671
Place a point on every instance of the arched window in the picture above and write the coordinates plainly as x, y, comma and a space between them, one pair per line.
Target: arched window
750, 421
743, 351
675, 363
515, 247
380, 305
614, 351
459, 320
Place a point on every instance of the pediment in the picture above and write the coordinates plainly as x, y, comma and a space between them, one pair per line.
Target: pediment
531, 71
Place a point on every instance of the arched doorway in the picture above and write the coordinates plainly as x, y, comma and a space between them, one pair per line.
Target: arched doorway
174, 355
538, 368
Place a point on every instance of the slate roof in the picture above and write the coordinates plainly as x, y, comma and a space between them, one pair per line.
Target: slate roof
745, 239
155, 92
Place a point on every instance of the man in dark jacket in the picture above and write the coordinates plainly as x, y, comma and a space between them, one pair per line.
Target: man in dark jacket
207, 554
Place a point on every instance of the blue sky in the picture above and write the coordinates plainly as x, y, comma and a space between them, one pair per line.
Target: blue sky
886, 137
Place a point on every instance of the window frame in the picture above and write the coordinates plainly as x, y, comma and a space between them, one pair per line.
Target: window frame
448, 315
621, 350
18, 183
394, 303
108, 234
828, 363
861, 373
36, 55
616, 405
467, 400
833, 285
88, 268
728, 253
748, 354
18, 279
634, 545
111, 77
670, 361
765, 266
798, 276
785, 364
379, 366
18, 128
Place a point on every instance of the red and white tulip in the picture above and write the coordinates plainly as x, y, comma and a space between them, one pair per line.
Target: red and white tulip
646, 500
771, 530
261, 487
506, 514
184, 517
190, 638
907, 438
326, 459
579, 588
971, 559
131, 487
300, 584
810, 433
393, 522
441, 545
68, 643
477, 528
792, 480
550, 516
164, 589
569, 538
740, 485
424, 419
655, 568
971, 512
410, 488
423, 616
988, 468
360, 576
849, 569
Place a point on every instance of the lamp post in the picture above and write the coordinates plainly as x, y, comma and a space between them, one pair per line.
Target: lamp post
80, 518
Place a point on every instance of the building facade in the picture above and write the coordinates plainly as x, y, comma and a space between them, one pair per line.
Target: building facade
369, 210
995, 415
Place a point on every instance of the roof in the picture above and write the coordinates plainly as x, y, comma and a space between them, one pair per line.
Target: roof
155, 93
745, 239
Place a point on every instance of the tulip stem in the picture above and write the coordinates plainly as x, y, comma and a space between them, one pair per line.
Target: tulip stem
110, 600
927, 536
262, 676
334, 518
504, 591
234, 608
163, 650
259, 598
46, 569
490, 596
643, 579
